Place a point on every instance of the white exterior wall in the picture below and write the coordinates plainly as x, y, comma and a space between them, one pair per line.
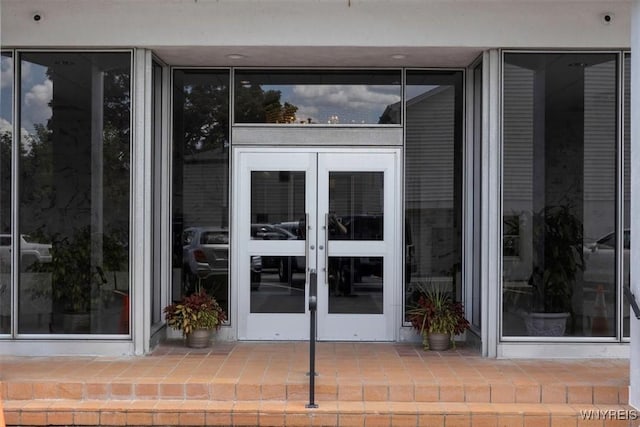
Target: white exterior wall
316, 32
446, 33
634, 392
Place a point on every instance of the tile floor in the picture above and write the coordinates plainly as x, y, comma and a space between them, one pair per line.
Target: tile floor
356, 384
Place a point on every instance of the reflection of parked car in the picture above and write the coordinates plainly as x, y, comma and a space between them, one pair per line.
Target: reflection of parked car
600, 259
30, 251
286, 265
205, 253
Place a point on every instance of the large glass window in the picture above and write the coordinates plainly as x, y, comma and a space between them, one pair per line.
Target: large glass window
318, 97
74, 179
433, 182
6, 132
559, 186
201, 183
626, 240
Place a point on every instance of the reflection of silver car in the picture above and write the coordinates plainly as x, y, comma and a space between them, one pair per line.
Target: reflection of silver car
205, 254
600, 259
286, 265
30, 252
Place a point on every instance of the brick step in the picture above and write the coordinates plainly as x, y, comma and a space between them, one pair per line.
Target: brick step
298, 391
294, 413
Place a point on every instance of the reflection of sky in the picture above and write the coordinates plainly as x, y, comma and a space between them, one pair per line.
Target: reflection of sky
6, 79
350, 104
37, 92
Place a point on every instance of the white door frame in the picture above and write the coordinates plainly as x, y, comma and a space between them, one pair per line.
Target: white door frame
252, 328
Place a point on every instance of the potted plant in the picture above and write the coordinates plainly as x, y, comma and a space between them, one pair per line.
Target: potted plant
196, 316
437, 318
558, 256
75, 282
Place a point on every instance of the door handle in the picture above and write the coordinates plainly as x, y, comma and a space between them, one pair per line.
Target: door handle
326, 249
306, 243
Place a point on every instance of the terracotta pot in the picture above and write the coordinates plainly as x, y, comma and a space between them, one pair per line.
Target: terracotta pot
200, 338
438, 341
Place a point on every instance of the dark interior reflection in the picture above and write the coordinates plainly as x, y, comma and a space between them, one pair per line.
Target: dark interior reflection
278, 284
356, 285
201, 183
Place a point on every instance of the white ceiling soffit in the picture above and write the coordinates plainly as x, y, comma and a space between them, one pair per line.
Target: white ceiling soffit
325, 56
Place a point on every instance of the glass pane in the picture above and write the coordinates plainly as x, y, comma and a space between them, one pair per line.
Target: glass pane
6, 132
356, 205
277, 205
433, 181
476, 300
559, 194
314, 97
156, 137
627, 191
356, 285
200, 214
74, 193
278, 284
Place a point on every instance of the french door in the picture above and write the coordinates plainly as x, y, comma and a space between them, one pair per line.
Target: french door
329, 211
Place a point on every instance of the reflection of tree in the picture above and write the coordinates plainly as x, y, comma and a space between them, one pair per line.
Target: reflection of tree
56, 166
205, 115
254, 105
5, 182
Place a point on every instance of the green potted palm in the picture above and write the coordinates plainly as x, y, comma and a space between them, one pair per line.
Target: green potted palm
558, 257
196, 315
437, 318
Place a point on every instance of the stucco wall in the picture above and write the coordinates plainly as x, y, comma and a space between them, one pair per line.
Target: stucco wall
468, 25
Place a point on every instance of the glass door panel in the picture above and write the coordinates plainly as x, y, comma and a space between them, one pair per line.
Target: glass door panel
357, 198
275, 192
281, 196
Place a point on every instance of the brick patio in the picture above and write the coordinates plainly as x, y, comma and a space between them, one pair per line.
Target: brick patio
372, 384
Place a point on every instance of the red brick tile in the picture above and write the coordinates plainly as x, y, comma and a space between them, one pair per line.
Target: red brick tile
218, 418
196, 391
86, 418
109, 418
554, 393
146, 391
192, 418
537, 420
510, 420
503, 393
457, 420
223, 391
71, 391
484, 420
477, 393
20, 391
451, 393
45, 390
377, 420
139, 418
166, 418
121, 390
401, 392
62, 418
375, 392
580, 394
427, 393
97, 391
244, 419
172, 391
33, 418
605, 395
564, 421
526, 393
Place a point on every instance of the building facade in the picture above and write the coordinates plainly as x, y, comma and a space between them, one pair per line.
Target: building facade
151, 149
